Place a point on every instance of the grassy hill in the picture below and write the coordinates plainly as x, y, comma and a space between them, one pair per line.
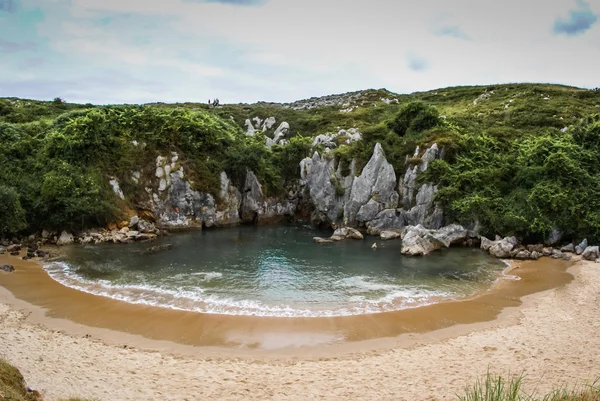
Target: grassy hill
520, 158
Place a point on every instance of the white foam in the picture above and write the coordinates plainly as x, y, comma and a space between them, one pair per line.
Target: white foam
195, 300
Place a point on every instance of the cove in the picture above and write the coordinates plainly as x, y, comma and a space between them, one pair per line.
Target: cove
275, 271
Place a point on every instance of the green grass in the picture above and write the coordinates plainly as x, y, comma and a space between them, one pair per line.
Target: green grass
12, 384
497, 388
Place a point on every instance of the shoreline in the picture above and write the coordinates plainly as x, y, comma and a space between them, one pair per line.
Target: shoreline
116, 322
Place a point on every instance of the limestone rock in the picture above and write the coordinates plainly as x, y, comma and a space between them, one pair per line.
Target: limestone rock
523, 255
231, 200
65, 239
7, 268
376, 182
568, 248
388, 235
591, 253
451, 235
116, 188
536, 248
503, 248
547, 251
417, 240
581, 247
347, 232
486, 244
320, 240
133, 222
554, 237
387, 220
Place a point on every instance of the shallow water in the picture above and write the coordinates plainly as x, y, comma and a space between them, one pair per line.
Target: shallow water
274, 271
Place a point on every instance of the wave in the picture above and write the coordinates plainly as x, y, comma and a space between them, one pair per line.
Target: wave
396, 297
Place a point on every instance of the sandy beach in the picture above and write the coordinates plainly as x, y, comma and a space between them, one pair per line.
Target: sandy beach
108, 354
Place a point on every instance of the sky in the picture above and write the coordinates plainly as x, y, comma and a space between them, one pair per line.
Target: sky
139, 51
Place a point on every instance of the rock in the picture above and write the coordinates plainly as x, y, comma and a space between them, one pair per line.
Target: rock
65, 239
41, 254
535, 248
502, 249
568, 248
486, 244
7, 268
320, 240
124, 230
14, 253
387, 220
116, 189
581, 247
146, 227
158, 248
374, 246
554, 237
14, 247
133, 222
376, 182
2, 250
26, 257
591, 253
547, 251
451, 235
556, 254
417, 240
144, 237
46, 234
347, 232
388, 235
535, 255
523, 255
369, 211
231, 200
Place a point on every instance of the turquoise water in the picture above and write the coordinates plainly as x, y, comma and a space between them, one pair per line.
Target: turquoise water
274, 271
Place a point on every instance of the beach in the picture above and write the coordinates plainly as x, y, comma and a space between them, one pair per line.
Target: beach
110, 355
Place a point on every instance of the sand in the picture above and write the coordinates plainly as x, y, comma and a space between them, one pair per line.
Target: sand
552, 337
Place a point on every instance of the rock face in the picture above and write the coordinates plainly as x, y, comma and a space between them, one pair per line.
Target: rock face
231, 199
259, 209
372, 191
65, 239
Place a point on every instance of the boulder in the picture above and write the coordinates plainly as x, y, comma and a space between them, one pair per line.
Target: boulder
145, 227
14, 247
320, 240
133, 222
581, 247
535, 248
556, 254
502, 249
388, 235
535, 255
591, 253
547, 251
14, 253
347, 232
2, 250
486, 244
523, 255
568, 248
417, 240
451, 235
65, 239
7, 268
554, 237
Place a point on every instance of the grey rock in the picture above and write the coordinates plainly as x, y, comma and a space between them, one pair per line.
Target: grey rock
581, 247
14, 247
231, 200
133, 222
7, 268
554, 237
535, 255
376, 182
65, 239
417, 240
523, 255
568, 248
369, 211
2, 250
388, 235
591, 253
556, 254
347, 232
536, 248
502, 249
486, 244
320, 240
146, 227
387, 220
256, 208
451, 235
547, 251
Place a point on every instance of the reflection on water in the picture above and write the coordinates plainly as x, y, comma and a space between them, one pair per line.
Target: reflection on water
274, 271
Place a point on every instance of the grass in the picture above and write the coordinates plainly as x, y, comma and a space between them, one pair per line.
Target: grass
497, 388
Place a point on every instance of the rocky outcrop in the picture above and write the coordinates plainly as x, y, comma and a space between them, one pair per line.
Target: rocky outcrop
372, 191
230, 203
451, 235
387, 220
329, 140
501, 248
259, 209
65, 239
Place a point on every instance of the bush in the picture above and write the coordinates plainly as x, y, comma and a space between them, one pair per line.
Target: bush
414, 118
12, 215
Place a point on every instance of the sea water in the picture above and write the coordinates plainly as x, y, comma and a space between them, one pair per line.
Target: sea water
274, 271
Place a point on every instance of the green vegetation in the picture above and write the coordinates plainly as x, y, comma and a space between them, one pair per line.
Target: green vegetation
509, 164
12, 384
496, 388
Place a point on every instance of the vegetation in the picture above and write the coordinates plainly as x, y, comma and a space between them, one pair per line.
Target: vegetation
12, 385
496, 388
520, 158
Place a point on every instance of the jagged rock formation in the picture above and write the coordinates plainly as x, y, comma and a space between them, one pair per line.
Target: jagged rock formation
259, 209
418, 240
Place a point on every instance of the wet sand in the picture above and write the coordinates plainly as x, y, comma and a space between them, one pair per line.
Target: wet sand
59, 307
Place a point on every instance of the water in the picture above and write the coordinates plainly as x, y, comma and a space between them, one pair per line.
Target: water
274, 271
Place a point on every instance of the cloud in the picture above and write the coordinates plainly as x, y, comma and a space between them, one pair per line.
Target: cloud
8, 6
14, 47
452, 31
417, 63
234, 2
578, 22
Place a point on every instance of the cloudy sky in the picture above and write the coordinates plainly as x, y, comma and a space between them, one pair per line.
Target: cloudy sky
135, 51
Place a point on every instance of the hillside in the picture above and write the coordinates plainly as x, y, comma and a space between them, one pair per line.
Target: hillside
517, 158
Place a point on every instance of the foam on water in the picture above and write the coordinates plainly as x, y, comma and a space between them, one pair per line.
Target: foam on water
396, 297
